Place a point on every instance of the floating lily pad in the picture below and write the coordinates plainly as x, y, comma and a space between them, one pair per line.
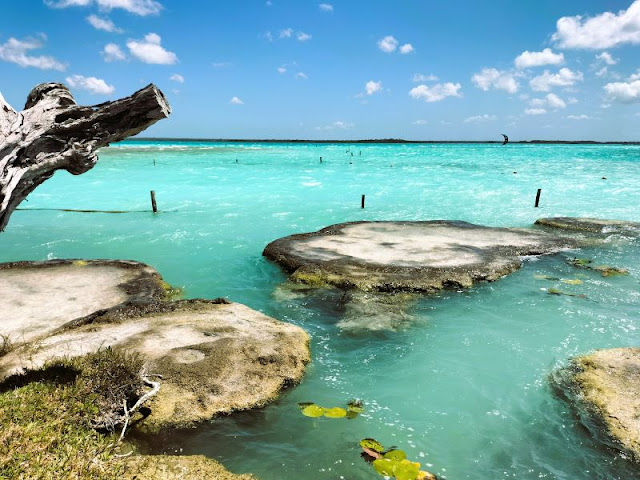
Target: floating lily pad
545, 277
580, 262
335, 412
395, 455
313, 411
303, 405
372, 444
607, 271
385, 466
406, 470
355, 406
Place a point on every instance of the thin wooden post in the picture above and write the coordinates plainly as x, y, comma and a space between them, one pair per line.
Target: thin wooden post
154, 207
362, 202
538, 197
320, 159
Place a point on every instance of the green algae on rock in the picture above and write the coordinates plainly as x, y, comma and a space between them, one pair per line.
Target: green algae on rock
590, 225
604, 389
409, 256
213, 356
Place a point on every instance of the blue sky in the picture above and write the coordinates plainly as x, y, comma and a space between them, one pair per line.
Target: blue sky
337, 69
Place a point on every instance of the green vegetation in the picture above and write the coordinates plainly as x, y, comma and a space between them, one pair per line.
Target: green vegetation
393, 462
309, 409
48, 417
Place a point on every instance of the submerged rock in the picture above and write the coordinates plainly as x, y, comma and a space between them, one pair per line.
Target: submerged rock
604, 388
590, 225
409, 256
39, 298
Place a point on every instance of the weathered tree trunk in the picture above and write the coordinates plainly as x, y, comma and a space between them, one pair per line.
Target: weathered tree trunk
54, 133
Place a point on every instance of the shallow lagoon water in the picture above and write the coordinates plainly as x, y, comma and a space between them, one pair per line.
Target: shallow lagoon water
463, 386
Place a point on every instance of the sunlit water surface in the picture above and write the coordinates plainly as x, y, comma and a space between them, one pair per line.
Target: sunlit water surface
463, 386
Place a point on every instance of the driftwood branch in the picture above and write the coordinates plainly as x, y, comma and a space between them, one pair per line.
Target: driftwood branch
54, 133
128, 411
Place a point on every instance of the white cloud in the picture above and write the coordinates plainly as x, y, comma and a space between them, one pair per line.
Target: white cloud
634, 76
564, 78
326, 7
606, 58
93, 85
67, 3
420, 122
286, 33
138, 7
602, 31
236, 101
551, 101
572, 100
623, 92
388, 44
282, 70
103, 24
555, 101
303, 37
176, 77
373, 87
338, 125
529, 59
112, 53
491, 78
602, 72
302, 76
419, 77
15, 51
437, 92
480, 118
406, 48
579, 117
149, 50
535, 111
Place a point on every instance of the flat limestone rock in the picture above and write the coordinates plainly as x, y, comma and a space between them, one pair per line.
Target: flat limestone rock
409, 256
590, 225
212, 356
165, 467
604, 388
39, 298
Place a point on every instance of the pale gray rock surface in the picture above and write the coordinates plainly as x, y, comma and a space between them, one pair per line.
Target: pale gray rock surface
409, 256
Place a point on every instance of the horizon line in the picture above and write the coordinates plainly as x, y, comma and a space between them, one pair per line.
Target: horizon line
382, 140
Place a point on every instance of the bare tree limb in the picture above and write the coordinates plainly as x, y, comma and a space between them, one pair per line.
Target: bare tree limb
54, 133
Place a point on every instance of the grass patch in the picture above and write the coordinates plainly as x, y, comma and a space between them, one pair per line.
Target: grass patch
48, 417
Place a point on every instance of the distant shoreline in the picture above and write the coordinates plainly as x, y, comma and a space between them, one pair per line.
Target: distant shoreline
375, 141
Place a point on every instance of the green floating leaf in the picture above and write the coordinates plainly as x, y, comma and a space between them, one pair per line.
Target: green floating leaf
607, 271
313, 411
546, 277
385, 466
335, 412
303, 405
572, 281
580, 262
395, 455
372, 444
406, 470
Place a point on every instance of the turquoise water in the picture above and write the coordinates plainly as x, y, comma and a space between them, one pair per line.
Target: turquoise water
462, 387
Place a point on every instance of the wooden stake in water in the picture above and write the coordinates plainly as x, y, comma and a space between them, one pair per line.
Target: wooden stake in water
362, 202
538, 197
320, 159
154, 207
